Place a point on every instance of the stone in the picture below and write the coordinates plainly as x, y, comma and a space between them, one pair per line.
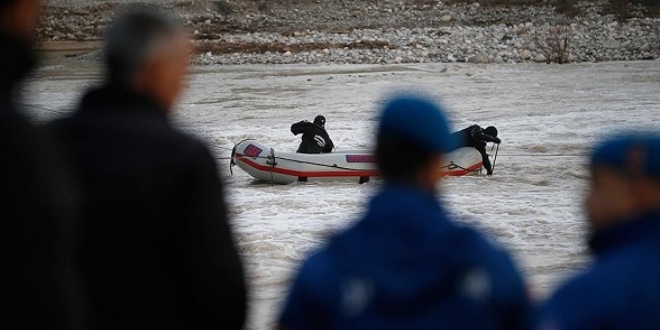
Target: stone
478, 59
540, 58
398, 60
80, 12
498, 59
611, 44
525, 54
445, 18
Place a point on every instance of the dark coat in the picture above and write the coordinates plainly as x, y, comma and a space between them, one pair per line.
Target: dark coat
405, 265
156, 249
621, 289
315, 139
37, 211
475, 137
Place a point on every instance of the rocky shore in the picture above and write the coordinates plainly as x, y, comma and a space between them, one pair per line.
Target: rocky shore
382, 31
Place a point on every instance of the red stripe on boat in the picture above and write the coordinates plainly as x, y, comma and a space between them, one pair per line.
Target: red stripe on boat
316, 174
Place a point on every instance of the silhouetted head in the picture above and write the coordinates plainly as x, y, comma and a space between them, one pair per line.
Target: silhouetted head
19, 18
491, 130
319, 120
147, 51
625, 179
413, 135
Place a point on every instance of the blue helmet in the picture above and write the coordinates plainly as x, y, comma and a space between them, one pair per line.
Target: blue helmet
417, 120
630, 154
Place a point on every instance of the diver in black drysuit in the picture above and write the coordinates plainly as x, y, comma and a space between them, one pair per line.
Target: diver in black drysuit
315, 140
476, 137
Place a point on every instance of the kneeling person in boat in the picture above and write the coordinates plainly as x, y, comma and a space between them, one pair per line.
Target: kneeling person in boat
477, 137
315, 140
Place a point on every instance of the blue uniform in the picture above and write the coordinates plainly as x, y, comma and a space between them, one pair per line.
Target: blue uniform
405, 265
621, 290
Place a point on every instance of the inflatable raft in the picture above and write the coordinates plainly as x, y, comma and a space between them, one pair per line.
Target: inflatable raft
281, 167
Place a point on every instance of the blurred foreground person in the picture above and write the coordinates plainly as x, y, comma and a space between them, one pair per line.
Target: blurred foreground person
36, 207
405, 264
477, 137
315, 139
156, 249
621, 290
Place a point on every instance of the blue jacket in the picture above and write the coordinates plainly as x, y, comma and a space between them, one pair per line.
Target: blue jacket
405, 265
621, 290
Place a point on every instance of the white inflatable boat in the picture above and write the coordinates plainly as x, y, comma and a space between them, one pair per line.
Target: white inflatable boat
281, 167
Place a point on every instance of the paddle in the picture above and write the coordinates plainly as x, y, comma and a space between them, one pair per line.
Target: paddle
495, 158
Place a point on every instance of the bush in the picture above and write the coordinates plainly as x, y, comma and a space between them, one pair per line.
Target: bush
555, 46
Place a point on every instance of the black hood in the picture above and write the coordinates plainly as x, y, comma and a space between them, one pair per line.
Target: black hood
320, 120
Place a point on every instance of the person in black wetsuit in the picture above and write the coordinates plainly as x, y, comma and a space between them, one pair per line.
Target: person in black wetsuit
477, 137
315, 140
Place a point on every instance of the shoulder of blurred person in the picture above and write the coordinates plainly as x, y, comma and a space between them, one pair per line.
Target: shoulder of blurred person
39, 205
620, 289
39, 208
358, 280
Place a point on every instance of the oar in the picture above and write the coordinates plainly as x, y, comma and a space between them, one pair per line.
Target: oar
495, 158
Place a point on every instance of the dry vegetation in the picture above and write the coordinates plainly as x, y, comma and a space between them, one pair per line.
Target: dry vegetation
555, 46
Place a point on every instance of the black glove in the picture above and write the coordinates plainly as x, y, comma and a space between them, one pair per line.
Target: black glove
497, 140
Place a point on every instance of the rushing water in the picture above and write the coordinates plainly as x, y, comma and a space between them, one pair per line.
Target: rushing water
548, 117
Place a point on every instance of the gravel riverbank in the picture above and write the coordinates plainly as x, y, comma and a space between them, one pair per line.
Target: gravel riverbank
380, 32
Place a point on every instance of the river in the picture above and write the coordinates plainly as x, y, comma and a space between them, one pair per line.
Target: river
548, 117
